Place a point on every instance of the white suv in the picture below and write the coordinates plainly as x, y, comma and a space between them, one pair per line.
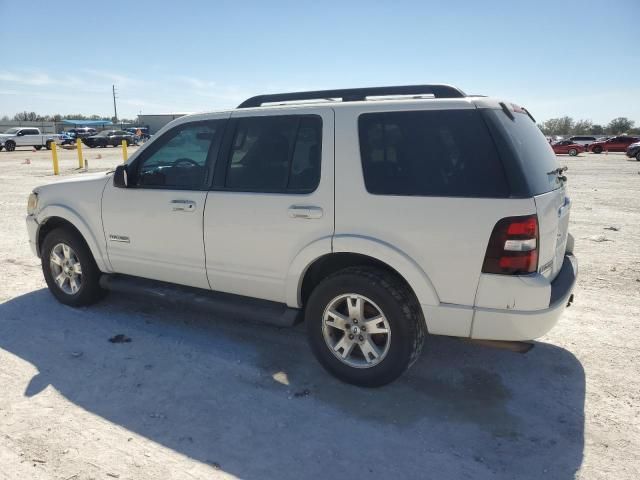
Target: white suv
378, 215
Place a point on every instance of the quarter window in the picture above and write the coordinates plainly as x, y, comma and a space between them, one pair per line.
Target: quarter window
179, 159
430, 153
275, 154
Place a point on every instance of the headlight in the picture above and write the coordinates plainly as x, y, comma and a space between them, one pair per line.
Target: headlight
32, 204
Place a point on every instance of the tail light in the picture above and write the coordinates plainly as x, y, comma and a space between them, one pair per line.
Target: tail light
513, 247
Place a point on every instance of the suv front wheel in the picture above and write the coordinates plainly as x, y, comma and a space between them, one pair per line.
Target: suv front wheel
69, 269
364, 326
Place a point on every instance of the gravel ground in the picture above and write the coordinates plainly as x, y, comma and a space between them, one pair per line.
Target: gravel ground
198, 397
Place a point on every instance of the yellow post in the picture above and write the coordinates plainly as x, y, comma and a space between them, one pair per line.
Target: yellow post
54, 154
79, 148
125, 156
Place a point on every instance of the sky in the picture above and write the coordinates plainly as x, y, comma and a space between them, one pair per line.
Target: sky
576, 58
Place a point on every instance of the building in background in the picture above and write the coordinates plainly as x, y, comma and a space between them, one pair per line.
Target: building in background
156, 121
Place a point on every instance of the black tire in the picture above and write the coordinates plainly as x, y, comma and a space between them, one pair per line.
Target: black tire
638, 156
89, 291
573, 152
48, 145
398, 304
1, 147
38, 147
597, 150
10, 145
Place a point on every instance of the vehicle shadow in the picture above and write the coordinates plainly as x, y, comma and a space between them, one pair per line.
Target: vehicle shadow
251, 398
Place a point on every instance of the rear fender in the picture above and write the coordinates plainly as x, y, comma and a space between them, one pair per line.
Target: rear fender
413, 274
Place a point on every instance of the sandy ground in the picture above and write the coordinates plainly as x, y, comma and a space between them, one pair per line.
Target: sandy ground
198, 397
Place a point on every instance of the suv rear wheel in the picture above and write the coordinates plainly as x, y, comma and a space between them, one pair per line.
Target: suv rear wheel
364, 326
69, 269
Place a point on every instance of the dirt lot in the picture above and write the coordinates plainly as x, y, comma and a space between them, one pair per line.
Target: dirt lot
198, 397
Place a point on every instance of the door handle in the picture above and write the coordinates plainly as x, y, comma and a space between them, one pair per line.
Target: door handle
183, 206
302, 211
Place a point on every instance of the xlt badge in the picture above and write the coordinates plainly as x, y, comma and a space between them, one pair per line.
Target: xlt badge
119, 238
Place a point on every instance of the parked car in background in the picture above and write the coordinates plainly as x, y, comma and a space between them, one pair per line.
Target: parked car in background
82, 132
584, 141
67, 138
481, 250
567, 147
27, 137
143, 130
108, 137
613, 144
633, 150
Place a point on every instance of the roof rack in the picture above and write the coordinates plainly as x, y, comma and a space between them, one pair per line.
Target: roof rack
356, 94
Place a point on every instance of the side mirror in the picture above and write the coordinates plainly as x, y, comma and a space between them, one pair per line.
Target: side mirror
121, 177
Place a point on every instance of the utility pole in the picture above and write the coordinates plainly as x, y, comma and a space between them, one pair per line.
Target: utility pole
115, 110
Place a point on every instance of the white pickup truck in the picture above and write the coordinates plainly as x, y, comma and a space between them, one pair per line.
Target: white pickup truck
27, 137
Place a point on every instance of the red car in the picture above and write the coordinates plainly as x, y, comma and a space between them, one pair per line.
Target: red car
567, 147
613, 144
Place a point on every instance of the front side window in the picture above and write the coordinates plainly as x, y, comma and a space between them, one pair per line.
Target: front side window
275, 154
179, 159
430, 153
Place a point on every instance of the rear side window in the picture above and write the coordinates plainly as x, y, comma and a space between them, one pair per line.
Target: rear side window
275, 154
528, 158
430, 153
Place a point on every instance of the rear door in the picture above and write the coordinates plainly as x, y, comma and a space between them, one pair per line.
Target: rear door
272, 198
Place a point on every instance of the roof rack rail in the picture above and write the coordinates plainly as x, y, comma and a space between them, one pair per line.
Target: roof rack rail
356, 94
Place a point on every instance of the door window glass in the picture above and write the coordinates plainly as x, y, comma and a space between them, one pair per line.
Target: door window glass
276, 154
179, 160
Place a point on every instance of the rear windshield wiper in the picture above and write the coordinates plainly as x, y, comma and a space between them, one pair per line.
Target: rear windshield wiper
530, 116
559, 172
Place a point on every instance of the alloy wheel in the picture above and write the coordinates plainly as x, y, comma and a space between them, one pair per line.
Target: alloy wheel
66, 269
356, 330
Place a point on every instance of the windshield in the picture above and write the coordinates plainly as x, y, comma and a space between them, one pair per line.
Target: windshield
11, 131
526, 153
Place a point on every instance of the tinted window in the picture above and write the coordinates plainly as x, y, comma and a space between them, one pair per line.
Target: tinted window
178, 159
276, 154
434, 153
526, 154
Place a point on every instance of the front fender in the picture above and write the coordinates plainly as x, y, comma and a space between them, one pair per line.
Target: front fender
73, 218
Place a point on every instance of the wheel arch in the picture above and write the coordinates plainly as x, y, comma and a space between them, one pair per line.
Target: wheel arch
54, 216
351, 251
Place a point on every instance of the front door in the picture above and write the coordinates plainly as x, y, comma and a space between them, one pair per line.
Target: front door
272, 199
153, 229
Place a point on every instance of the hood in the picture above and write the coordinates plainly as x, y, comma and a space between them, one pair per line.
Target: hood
79, 180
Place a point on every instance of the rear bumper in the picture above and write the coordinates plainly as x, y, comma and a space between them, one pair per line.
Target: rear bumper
498, 324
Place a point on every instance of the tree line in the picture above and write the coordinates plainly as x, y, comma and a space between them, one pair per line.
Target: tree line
35, 117
553, 126
569, 126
